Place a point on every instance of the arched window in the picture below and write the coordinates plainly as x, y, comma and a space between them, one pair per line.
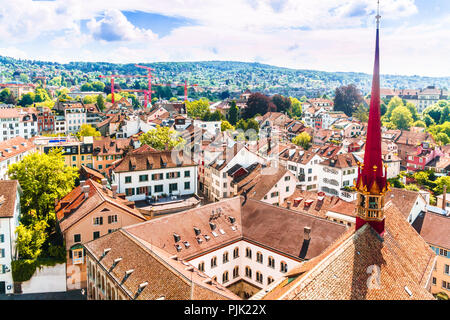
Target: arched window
225, 277
213, 262
259, 277
248, 253
283, 266
236, 272
271, 262
248, 272
259, 257
225, 257
269, 280
201, 266
214, 278
235, 253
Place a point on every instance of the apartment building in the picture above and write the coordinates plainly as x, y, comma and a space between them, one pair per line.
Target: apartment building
12, 151
337, 174
75, 115
155, 174
88, 212
10, 193
17, 122
107, 150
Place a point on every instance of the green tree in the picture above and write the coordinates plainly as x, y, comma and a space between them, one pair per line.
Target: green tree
394, 103
30, 239
26, 99
296, 108
347, 98
162, 138
101, 102
361, 113
434, 111
252, 124
89, 99
225, 125
401, 117
44, 178
283, 104
303, 140
412, 187
4, 94
233, 113
428, 120
197, 108
443, 138
420, 124
86, 130
440, 182
87, 87
98, 86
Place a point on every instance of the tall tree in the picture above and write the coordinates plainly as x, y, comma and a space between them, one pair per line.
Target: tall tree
197, 108
347, 98
86, 130
258, 103
233, 113
401, 117
100, 102
43, 178
303, 140
283, 104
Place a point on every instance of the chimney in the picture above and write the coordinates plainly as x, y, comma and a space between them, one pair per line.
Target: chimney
307, 233
85, 188
444, 197
104, 182
288, 204
114, 190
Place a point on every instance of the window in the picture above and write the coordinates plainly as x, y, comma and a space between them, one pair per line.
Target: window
129, 192
157, 176
287, 189
274, 194
187, 174
225, 257
444, 284
112, 219
187, 185
271, 262
259, 257
128, 179
213, 262
434, 281
287, 178
2, 238
248, 272
446, 269
236, 272
248, 253
235, 253
143, 177
77, 238
259, 277
443, 252
159, 188
98, 220
172, 175
2, 253
201, 266
283, 266
225, 277
269, 280
96, 234
173, 187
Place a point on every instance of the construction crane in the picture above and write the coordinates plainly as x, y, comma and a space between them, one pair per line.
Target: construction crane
185, 85
149, 79
42, 77
113, 76
146, 93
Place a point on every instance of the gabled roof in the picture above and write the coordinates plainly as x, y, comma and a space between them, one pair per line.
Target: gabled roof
434, 228
341, 161
15, 146
349, 271
165, 276
75, 206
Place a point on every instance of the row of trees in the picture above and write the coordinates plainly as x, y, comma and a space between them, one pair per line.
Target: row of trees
259, 103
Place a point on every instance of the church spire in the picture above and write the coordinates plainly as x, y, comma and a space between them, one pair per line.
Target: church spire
372, 183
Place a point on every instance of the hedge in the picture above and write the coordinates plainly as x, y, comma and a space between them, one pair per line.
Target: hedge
23, 270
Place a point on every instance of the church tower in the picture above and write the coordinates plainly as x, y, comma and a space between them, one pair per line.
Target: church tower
372, 184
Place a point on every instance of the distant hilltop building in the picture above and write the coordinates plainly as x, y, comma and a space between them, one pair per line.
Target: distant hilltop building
420, 98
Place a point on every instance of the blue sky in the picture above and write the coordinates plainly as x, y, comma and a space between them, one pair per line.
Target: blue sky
330, 35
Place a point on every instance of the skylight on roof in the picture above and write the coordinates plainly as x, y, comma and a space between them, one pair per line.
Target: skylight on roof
233, 228
206, 237
215, 234
186, 244
221, 231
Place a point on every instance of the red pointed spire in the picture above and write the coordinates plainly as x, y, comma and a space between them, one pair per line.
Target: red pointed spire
371, 177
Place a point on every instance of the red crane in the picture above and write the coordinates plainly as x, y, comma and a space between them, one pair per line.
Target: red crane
149, 79
139, 90
185, 85
113, 76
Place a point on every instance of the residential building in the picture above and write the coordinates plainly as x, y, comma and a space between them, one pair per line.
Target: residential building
423, 155
155, 173
10, 193
107, 150
434, 229
45, 120
338, 174
88, 212
13, 151
75, 115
